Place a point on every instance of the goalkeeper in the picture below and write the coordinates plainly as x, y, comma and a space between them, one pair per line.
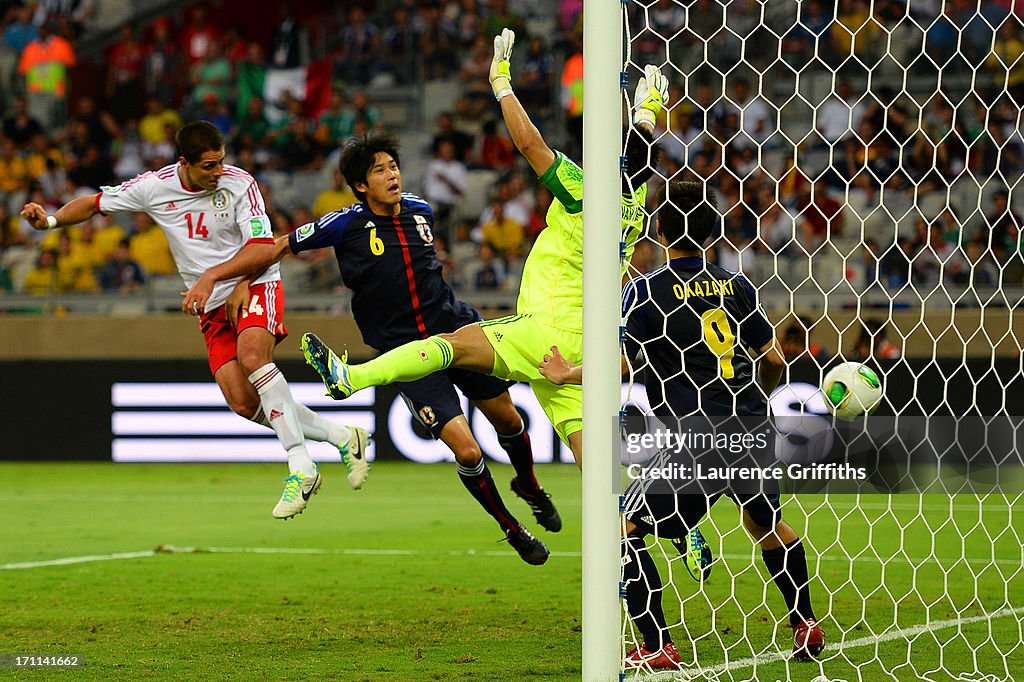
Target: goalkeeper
550, 305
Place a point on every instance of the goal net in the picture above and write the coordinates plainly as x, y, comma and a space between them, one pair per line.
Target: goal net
867, 159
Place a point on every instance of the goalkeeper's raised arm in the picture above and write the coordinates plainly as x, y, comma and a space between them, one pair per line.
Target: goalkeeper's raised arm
649, 99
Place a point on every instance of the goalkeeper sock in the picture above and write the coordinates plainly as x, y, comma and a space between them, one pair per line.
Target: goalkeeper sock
281, 409
788, 568
643, 593
478, 481
520, 454
408, 362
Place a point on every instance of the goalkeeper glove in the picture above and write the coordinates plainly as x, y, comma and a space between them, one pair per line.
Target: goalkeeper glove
500, 75
651, 96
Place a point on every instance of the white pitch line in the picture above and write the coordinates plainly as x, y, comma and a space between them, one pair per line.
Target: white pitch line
170, 549
888, 636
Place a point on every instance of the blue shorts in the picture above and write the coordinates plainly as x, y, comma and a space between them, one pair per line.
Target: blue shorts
434, 402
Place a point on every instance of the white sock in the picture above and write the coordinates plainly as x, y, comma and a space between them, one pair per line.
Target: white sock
315, 427
282, 413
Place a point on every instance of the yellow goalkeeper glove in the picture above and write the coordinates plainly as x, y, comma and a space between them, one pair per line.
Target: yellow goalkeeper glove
651, 96
500, 75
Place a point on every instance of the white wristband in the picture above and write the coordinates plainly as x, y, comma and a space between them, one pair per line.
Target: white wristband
51, 222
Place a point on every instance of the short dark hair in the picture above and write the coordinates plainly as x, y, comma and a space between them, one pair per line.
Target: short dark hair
358, 155
196, 138
687, 214
641, 156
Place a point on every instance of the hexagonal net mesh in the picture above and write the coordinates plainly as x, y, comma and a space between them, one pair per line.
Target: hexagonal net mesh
863, 163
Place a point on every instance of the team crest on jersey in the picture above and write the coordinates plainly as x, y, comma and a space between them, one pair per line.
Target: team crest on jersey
423, 227
220, 199
427, 415
305, 231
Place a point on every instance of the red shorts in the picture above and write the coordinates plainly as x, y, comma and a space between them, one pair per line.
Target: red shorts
266, 311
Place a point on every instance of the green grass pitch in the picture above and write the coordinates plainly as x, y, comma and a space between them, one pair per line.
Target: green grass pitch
404, 580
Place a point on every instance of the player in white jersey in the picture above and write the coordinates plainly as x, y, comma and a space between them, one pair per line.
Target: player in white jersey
216, 224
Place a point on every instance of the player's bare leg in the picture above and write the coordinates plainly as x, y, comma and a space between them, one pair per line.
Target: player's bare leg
576, 445
476, 477
786, 561
514, 440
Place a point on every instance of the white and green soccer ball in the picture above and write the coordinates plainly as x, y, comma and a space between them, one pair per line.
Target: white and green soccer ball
851, 390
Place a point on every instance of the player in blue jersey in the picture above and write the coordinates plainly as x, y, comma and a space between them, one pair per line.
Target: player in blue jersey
384, 246
700, 331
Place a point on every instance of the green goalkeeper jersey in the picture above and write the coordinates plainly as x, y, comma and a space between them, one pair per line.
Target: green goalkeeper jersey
552, 286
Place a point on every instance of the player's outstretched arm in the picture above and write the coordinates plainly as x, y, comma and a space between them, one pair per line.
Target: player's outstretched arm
525, 135
75, 211
238, 300
254, 257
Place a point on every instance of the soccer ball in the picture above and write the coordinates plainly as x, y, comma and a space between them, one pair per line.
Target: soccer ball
851, 390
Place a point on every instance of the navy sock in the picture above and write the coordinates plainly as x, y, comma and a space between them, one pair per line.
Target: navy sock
480, 485
520, 454
788, 568
643, 593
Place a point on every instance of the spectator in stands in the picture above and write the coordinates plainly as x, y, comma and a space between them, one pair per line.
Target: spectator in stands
44, 63
500, 16
754, 115
156, 156
489, 272
335, 122
92, 169
572, 97
75, 265
98, 126
51, 184
399, 46
356, 60
152, 126
149, 248
797, 344
496, 150
363, 110
542, 199
1006, 61
19, 127
978, 269
233, 46
465, 17
199, 36
18, 33
216, 112
820, 216
444, 184
121, 273
41, 280
535, 80
812, 31
289, 47
855, 31
125, 59
839, 115
884, 113
250, 77
448, 132
473, 76
297, 148
994, 152
336, 197
13, 175
1003, 223
38, 153
252, 128
211, 74
872, 343
505, 235
163, 70
438, 41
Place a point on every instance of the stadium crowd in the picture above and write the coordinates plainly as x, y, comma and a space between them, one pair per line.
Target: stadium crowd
880, 172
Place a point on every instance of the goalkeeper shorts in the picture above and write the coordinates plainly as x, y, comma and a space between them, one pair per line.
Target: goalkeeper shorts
520, 343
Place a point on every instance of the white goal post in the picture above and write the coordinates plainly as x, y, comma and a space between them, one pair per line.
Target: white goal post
890, 237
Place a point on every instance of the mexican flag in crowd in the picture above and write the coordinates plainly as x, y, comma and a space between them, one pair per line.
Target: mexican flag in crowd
310, 84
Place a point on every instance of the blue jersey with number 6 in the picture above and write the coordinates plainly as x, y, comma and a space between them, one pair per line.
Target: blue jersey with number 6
389, 263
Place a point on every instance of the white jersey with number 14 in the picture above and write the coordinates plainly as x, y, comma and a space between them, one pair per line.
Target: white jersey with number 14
204, 228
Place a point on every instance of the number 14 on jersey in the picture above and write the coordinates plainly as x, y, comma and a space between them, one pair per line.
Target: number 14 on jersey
196, 227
